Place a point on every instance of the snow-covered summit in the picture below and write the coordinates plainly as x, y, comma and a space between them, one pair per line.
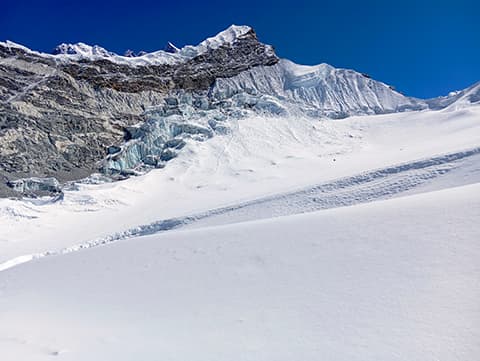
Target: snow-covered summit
170, 53
83, 50
319, 89
323, 89
228, 36
78, 51
12, 44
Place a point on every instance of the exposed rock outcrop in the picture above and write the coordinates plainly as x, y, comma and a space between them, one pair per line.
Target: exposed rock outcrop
61, 114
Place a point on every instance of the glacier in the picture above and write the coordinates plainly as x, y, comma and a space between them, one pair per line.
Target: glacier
137, 112
286, 89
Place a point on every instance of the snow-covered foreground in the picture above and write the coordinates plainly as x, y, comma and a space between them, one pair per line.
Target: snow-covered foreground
285, 239
387, 280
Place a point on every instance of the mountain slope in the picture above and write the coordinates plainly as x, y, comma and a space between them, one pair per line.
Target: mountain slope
263, 167
60, 113
84, 109
323, 89
457, 99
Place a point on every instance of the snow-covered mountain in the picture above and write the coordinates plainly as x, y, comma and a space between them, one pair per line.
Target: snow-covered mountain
282, 237
263, 229
323, 89
457, 99
82, 50
169, 55
85, 109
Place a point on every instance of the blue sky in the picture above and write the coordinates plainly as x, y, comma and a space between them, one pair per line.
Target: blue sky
423, 48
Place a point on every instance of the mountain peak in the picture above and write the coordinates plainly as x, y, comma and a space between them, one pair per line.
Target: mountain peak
227, 36
81, 49
171, 48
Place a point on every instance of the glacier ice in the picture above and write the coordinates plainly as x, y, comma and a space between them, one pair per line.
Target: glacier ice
36, 186
183, 117
320, 91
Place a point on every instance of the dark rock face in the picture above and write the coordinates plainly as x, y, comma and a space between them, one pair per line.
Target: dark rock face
61, 118
195, 74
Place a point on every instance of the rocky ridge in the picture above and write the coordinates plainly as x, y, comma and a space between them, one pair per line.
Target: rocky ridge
59, 114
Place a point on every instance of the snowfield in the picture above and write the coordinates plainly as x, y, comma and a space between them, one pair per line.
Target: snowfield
387, 280
368, 157
285, 239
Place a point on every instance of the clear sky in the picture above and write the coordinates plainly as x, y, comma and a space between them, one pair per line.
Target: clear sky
424, 48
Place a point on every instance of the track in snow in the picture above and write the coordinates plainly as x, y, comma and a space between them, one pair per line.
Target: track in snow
365, 187
362, 188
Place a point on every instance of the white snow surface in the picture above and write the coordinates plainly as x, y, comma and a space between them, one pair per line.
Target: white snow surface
261, 157
286, 238
388, 280
334, 92
457, 99
226, 36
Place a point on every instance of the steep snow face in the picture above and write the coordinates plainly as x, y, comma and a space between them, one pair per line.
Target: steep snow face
228, 36
321, 89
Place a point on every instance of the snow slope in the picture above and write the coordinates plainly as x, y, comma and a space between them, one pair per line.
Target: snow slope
457, 99
285, 238
387, 280
262, 168
275, 234
325, 90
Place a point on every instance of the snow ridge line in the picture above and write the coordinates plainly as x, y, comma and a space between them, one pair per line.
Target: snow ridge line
365, 187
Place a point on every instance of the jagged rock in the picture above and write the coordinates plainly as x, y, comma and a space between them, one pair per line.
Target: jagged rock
132, 132
58, 113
